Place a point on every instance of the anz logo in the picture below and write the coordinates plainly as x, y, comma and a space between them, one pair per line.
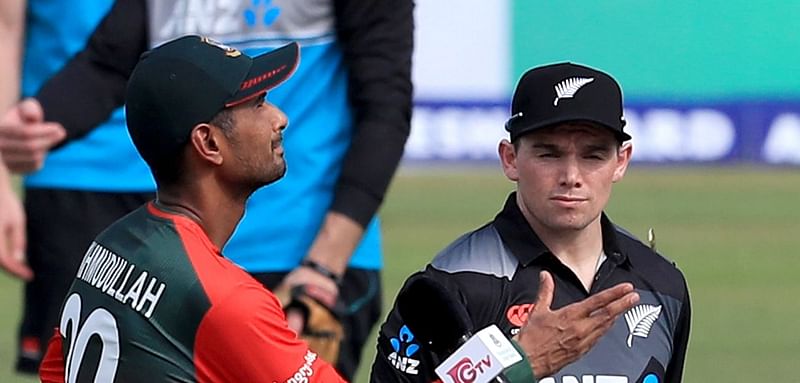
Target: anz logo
261, 12
404, 347
216, 18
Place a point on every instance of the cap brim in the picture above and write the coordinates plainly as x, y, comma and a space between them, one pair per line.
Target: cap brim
267, 71
519, 131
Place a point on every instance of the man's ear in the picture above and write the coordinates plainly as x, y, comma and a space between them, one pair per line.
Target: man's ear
508, 158
623, 159
206, 142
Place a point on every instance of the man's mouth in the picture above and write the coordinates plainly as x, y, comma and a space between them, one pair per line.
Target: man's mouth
568, 201
277, 143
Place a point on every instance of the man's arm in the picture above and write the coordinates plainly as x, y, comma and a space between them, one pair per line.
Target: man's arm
674, 373
400, 356
12, 229
245, 338
12, 30
53, 365
377, 40
80, 96
551, 339
92, 84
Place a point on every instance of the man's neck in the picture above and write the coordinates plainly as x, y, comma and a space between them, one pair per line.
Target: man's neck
579, 250
216, 212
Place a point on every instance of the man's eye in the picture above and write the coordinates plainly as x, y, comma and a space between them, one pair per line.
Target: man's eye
547, 155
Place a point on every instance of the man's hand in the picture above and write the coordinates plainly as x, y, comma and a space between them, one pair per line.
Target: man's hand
12, 231
326, 288
553, 339
25, 138
311, 314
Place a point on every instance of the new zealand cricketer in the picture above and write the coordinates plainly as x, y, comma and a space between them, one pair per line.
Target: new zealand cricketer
566, 149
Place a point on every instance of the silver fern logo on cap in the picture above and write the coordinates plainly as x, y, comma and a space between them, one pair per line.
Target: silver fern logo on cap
567, 88
640, 320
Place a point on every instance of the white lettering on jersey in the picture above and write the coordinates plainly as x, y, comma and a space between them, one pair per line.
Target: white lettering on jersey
305, 371
586, 379
203, 17
102, 269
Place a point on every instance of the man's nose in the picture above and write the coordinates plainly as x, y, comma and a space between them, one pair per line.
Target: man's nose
281, 120
570, 173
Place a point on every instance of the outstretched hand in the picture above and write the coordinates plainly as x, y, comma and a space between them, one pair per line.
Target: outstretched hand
12, 231
25, 138
554, 338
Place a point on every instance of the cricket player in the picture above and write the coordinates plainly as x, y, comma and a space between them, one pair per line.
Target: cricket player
566, 149
154, 299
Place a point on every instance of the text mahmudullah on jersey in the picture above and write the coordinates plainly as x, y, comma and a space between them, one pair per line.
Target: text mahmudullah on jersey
104, 269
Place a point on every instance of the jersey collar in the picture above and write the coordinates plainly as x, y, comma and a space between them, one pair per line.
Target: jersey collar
526, 245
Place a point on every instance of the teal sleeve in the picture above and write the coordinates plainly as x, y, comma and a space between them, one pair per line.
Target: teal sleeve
522, 370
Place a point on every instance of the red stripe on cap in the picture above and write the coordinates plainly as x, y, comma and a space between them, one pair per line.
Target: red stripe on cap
249, 83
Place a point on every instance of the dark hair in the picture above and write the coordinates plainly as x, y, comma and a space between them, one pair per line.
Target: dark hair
168, 168
224, 120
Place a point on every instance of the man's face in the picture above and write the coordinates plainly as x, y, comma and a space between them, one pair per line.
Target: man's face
564, 174
256, 143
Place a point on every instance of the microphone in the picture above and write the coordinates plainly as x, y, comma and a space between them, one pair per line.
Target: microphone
434, 315
481, 359
439, 320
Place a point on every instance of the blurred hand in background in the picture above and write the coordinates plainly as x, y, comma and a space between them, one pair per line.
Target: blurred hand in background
12, 230
25, 138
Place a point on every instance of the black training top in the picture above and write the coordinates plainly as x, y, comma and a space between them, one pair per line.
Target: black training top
494, 271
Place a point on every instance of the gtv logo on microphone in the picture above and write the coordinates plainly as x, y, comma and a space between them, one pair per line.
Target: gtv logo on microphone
481, 358
467, 371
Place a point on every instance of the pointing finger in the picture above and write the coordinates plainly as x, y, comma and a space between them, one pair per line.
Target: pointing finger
603, 298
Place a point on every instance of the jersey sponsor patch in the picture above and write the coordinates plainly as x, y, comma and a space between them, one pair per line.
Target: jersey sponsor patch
305, 371
518, 314
587, 378
404, 347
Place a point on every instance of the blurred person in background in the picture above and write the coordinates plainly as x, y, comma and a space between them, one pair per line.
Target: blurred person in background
79, 179
566, 149
12, 215
350, 106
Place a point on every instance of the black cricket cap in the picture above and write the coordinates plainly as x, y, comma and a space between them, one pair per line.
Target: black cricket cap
187, 81
566, 92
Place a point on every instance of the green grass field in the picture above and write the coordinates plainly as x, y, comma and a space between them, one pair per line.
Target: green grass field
733, 231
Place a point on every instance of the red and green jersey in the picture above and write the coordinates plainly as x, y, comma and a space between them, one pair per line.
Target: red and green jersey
155, 300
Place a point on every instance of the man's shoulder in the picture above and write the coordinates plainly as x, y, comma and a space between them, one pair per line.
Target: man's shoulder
480, 251
651, 264
635, 247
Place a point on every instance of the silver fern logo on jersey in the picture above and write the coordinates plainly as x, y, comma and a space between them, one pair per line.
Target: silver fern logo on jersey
567, 88
640, 320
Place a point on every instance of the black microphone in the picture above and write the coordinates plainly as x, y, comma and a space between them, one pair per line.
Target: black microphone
434, 315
